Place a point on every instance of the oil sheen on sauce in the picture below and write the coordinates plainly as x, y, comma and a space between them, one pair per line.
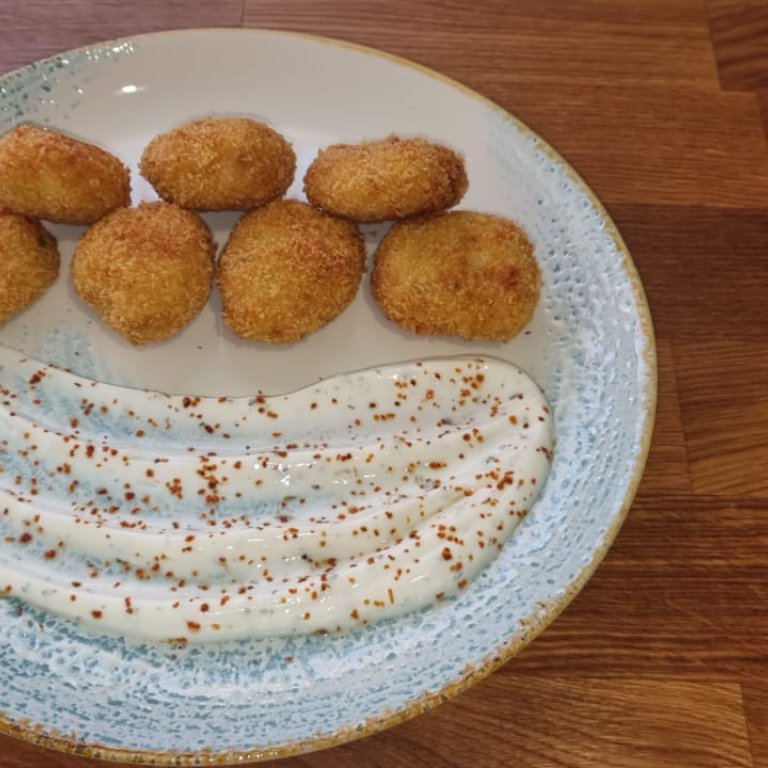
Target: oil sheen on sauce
172, 518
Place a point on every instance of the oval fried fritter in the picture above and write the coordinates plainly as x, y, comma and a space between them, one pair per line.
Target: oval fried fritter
458, 274
217, 164
387, 179
29, 263
146, 271
47, 175
287, 270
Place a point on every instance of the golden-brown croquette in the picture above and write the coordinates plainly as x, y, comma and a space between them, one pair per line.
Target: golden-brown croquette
47, 175
146, 271
387, 179
287, 270
217, 164
458, 274
29, 262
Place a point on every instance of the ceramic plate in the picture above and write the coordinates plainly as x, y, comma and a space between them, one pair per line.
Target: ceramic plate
590, 347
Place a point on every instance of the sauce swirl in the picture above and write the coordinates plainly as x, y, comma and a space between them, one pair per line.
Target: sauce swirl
177, 518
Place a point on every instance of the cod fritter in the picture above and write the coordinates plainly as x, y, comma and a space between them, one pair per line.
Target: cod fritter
287, 270
46, 175
146, 271
457, 274
29, 263
217, 164
387, 179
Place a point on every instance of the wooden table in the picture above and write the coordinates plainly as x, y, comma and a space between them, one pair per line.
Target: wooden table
663, 658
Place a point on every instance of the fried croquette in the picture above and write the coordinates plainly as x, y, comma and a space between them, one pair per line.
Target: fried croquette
387, 179
457, 274
225, 163
146, 271
46, 175
29, 263
288, 270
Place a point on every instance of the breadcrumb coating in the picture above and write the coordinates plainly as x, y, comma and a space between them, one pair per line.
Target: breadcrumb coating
29, 263
224, 163
146, 271
388, 179
287, 270
457, 274
47, 175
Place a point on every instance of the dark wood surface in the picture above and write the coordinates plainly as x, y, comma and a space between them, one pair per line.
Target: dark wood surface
661, 105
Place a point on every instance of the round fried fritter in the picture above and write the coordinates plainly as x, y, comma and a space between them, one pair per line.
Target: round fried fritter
47, 175
29, 263
224, 163
387, 179
287, 270
458, 274
146, 271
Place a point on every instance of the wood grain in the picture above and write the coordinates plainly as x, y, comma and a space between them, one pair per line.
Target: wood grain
681, 595
755, 694
651, 146
717, 255
662, 660
537, 48
739, 32
33, 29
723, 402
489, 14
740, 36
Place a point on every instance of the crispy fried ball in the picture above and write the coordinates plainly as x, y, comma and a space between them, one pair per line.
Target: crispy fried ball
225, 163
29, 263
388, 179
47, 175
146, 271
287, 270
458, 274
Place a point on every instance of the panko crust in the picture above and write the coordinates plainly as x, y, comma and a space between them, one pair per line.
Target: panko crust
29, 263
47, 175
146, 271
387, 179
217, 164
287, 270
460, 273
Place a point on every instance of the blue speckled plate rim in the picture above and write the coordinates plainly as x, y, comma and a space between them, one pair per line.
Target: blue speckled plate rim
545, 615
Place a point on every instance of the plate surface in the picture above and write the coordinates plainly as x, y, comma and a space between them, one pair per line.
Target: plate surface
590, 348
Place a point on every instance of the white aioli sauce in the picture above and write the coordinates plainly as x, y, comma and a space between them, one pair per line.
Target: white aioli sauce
201, 519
